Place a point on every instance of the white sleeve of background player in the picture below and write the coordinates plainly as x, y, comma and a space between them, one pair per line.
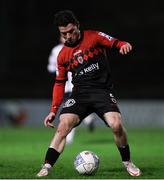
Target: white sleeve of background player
69, 85
52, 60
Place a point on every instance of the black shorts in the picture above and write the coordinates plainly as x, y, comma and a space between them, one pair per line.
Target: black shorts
84, 103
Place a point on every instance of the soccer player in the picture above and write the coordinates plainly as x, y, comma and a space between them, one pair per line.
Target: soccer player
85, 55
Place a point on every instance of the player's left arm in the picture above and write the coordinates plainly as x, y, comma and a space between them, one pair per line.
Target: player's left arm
123, 46
109, 41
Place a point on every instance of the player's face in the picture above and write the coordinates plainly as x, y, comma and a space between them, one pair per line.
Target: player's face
70, 33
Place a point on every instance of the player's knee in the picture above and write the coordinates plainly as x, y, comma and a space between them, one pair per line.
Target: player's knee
63, 129
117, 128
116, 125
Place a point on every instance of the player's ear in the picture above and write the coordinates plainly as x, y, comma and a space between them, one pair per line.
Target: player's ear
78, 25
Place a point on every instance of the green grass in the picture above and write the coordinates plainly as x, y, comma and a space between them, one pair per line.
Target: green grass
22, 152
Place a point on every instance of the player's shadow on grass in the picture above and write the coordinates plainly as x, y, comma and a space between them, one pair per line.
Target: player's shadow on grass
151, 171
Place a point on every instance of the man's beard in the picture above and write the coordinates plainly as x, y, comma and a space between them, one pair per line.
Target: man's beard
70, 43
73, 42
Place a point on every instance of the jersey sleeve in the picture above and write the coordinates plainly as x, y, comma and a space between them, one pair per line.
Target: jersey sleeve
59, 85
109, 41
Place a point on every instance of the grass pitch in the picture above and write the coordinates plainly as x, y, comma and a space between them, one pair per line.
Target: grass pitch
22, 152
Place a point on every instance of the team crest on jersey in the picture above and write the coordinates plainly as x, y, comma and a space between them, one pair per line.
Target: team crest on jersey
69, 103
80, 59
78, 55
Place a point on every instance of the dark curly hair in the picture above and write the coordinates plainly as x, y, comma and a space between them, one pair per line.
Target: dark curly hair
63, 18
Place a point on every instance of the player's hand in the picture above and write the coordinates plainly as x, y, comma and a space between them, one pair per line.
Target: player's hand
49, 119
126, 48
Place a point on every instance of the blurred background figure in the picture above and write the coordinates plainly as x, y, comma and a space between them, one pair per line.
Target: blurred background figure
52, 60
52, 68
12, 113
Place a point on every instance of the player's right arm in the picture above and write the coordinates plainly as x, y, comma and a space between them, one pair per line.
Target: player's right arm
58, 91
48, 120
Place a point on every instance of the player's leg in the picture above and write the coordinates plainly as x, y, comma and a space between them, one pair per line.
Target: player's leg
113, 119
67, 122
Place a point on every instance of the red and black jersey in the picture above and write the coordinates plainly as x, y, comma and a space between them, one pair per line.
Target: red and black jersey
88, 62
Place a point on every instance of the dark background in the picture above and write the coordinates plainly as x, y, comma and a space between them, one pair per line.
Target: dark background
27, 35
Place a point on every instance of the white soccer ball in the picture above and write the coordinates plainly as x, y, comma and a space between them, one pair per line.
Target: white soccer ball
86, 162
